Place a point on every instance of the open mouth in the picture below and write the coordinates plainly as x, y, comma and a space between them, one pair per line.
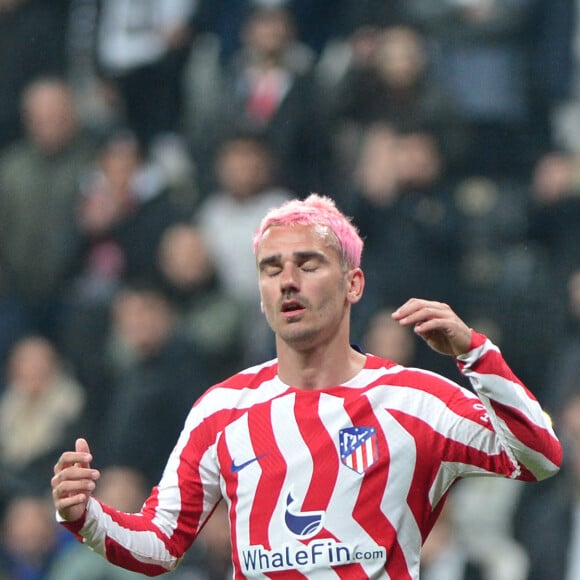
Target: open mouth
291, 308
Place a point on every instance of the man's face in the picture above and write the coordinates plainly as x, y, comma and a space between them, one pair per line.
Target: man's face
50, 117
305, 292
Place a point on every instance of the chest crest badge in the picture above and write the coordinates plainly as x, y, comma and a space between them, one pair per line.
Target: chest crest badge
358, 448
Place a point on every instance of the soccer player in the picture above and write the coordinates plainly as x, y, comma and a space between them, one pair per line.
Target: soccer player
332, 463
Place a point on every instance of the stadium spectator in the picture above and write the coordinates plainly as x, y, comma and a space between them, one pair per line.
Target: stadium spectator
247, 187
409, 230
206, 313
562, 360
30, 539
443, 557
483, 512
555, 74
504, 276
396, 85
33, 44
142, 49
39, 406
124, 206
268, 86
482, 59
155, 376
39, 180
388, 339
555, 196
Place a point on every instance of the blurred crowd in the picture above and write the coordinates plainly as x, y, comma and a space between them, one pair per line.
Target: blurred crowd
140, 144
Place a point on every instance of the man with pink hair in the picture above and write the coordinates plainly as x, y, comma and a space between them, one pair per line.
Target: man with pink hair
332, 462
322, 212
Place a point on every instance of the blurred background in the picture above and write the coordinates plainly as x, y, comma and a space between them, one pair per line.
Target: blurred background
140, 144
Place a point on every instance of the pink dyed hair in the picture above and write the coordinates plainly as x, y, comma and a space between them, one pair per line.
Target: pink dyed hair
317, 210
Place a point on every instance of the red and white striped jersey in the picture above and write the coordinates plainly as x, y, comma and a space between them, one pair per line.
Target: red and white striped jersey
344, 482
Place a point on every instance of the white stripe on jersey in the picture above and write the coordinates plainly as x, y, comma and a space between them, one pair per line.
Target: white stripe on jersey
535, 462
223, 398
169, 491
237, 437
447, 474
402, 463
290, 443
507, 393
216, 399
145, 546
339, 520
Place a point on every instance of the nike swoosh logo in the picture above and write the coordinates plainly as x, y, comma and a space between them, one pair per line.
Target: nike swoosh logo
236, 467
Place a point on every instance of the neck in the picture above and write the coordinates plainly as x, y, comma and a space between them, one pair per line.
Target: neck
320, 367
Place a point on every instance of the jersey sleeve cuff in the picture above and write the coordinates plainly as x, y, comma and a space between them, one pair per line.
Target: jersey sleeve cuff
74, 527
475, 350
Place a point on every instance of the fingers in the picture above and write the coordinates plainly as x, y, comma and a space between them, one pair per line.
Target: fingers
417, 311
72, 459
81, 446
74, 473
437, 324
81, 457
73, 481
70, 487
71, 490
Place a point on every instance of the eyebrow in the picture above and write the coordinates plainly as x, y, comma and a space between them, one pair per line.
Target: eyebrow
299, 256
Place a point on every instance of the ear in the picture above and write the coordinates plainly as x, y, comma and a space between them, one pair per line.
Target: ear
356, 285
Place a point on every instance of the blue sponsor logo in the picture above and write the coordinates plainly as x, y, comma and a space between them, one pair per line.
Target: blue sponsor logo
236, 467
318, 554
302, 524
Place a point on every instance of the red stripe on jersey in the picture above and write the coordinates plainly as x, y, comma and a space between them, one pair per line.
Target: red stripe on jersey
526, 474
190, 482
268, 489
452, 450
453, 396
375, 362
408, 378
367, 511
430, 448
231, 484
76, 526
533, 436
150, 505
323, 446
124, 558
284, 574
492, 362
249, 380
433, 448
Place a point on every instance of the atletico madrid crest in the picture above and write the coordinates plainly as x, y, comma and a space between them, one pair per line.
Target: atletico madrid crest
358, 448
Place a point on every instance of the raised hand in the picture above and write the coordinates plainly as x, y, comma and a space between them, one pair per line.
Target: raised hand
74, 481
437, 324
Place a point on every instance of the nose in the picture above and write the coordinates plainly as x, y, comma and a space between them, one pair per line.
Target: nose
289, 277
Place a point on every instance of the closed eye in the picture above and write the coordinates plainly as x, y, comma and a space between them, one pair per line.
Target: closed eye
271, 270
307, 262
309, 266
